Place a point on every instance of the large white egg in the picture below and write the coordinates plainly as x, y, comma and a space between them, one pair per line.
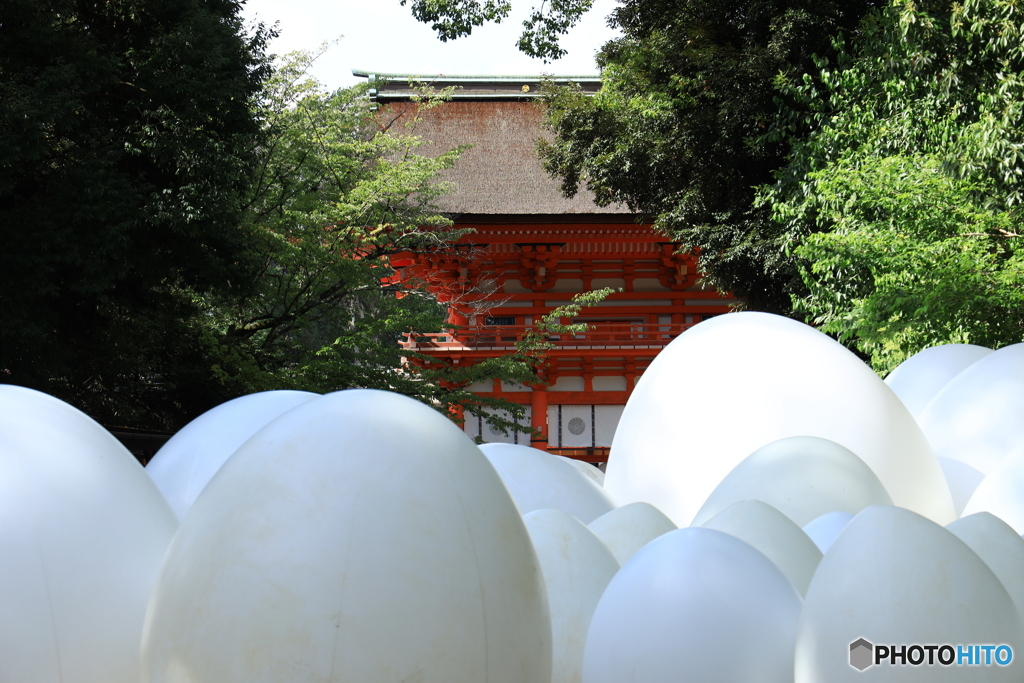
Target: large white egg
801, 476
976, 418
182, 468
83, 532
825, 529
697, 605
775, 535
919, 378
1002, 549
1001, 492
628, 528
962, 479
737, 382
586, 468
895, 578
359, 537
577, 567
539, 480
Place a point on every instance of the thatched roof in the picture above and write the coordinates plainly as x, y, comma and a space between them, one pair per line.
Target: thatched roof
501, 118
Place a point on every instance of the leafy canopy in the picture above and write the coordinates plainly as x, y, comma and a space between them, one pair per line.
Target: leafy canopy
127, 141
340, 190
906, 202
541, 30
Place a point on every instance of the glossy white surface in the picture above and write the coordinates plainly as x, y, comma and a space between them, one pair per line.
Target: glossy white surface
919, 378
823, 530
894, 577
83, 532
586, 468
187, 462
577, 567
1002, 549
360, 537
737, 382
801, 476
695, 605
775, 535
976, 418
1001, 492
539, 480
628, 528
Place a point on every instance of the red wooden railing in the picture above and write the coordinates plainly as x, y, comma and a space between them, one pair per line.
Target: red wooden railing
499, 337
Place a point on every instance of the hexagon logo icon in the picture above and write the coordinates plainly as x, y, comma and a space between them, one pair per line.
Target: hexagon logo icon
861, 654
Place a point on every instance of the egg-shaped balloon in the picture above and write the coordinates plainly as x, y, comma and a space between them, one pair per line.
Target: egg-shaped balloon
825, 529
732, 384
1001, 492
775, 535
184, 465
976, 417
962, 479
83, 533
576, 567
586, 468
539, 480
1001, 548
801, 476
919, 378
628, 528
697, 605
894, 578
359, 537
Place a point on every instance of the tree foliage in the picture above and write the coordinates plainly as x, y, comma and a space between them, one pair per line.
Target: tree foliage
541, 30
126, 143
679, 130
334, 196
907, 199
340, 190
913, 258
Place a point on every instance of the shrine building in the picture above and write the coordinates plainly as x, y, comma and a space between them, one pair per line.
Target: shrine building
530, 250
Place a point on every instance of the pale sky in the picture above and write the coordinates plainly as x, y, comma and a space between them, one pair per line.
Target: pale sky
381, 36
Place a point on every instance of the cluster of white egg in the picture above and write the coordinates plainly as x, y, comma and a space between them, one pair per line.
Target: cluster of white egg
361, 536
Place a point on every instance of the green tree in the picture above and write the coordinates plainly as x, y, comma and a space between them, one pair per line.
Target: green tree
126, 144
907, 200
679, 130
335, 195
340, 191
541, 30
913, 258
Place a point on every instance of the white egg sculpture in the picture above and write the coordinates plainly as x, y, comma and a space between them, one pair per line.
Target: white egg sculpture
801, 476
825, 529
359, 537
895, 578
919, 378
538, 480
697, 605
737, 382
586, 468
976, 418
962, 479
775, 535
1001, 548
1001, 492
576, 567
83, 533
626, 529
182, 468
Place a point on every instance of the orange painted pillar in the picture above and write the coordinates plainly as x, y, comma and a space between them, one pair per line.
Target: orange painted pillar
539, 417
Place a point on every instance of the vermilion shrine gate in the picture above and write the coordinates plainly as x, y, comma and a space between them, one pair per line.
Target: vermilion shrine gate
530, 250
